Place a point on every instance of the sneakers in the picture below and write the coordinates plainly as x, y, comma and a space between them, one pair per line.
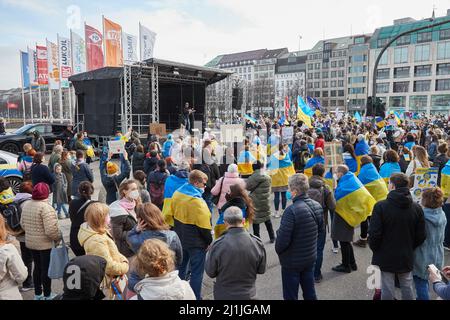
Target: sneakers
335, 250
62, 217
26, 288
39, 297
341, 268
50, 297
360, 243
447, 247
277, 215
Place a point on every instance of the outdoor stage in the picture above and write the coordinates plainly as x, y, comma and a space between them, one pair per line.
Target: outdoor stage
154, 91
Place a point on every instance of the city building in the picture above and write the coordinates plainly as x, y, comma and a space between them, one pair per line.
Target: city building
414, 73
290, 79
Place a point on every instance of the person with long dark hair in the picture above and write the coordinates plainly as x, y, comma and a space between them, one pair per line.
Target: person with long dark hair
40, 172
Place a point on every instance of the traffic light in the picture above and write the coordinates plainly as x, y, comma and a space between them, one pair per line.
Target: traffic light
370, 107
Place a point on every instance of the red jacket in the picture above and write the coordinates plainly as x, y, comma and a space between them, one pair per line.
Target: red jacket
320, 143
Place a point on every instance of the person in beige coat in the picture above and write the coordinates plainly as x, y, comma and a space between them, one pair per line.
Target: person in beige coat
40, 223
12, 269
97, 241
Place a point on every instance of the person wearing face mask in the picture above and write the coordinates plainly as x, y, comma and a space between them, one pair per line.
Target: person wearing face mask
123, 215
111, 177
192, 223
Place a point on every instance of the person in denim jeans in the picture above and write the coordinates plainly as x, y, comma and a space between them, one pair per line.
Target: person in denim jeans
296, 243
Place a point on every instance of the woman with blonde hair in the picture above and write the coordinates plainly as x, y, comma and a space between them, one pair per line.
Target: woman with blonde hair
155, 263
13, 272
96, 240
420, 160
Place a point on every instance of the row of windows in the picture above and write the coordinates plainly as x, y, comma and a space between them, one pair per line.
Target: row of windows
357, 69
325, 65
326, 75
332, 84
421, 38
420, 102
419, 71
418, 86
422, 53
334, 54
289, 83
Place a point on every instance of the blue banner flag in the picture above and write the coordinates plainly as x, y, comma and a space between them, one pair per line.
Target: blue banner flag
358, 117
25, 72
305, 108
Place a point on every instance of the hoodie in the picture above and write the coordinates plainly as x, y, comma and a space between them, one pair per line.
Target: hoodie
102, 245
432, 250
92, 271
168, 287
13, 273
396, 229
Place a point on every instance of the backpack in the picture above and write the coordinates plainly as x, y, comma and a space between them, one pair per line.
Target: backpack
156, 191
318, 195
12, 213
303, 159
26, 175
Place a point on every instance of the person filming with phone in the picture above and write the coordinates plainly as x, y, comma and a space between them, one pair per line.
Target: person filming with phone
440, 283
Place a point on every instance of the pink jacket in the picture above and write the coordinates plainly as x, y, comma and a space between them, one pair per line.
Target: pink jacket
230, 179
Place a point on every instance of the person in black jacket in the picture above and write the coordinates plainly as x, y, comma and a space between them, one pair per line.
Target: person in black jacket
138, 158
40, 172
396, 229
77, 208
81, 172
296, 243
441, 160
151, 163
111, 178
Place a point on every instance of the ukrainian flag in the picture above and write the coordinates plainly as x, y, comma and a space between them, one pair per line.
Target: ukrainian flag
245, 163
362, 149
280, 169
301, 115
220, 228
388, 169
311, 163
351, 163
445, 180
173, 183
410, 145
380, 122
373, 182
353, 202
7, 196
188, 207
329, 180
273, 145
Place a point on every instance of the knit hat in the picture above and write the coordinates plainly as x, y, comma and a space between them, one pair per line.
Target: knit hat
41, 191
112, 168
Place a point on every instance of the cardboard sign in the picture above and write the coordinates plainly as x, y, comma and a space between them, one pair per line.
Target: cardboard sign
158, 129
425, 178
288, 135
333, 154
117, 147
232, 133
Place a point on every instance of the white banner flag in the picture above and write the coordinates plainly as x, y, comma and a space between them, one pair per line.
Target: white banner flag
78, 53
65, 61
32, 67
147, 42
129, 44
53, 65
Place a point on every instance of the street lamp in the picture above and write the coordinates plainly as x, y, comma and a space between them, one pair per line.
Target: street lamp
299, 42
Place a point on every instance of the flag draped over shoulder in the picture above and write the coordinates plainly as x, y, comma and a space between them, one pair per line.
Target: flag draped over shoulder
245, 163
373, 182
188, 207
379, 121
361, 149
280, 168
311, 163
329, 180
388, 169
220, 228
173, 183
353, 202
445, 180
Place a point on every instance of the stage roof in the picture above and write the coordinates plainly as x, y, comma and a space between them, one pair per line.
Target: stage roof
177, 69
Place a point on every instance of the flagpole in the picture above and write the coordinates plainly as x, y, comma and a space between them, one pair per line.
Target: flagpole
60, 82
70, 91
31, 89
104, 42
50, 97
39, 95
23, 93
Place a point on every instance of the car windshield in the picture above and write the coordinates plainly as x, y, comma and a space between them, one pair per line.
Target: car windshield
23, 129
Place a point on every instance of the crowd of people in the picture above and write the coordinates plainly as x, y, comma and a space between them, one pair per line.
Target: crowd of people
150, 235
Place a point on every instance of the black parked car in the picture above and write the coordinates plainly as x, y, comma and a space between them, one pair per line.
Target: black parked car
13, 142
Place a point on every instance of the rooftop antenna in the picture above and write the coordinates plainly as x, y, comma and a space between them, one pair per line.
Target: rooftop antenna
433, 17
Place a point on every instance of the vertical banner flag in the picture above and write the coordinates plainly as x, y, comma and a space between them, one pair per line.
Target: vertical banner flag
147, 42
286, 107
65, 61
42, 65
53, 65
129, 43
113, 43
32, 66
94, 48
78, 53
25, 74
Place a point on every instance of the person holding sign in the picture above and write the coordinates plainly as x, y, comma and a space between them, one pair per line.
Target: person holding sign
111, 177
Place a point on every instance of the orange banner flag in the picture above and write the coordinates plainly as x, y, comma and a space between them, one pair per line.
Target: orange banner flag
113, 44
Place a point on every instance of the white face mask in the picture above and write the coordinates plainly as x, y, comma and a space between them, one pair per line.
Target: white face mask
134, 195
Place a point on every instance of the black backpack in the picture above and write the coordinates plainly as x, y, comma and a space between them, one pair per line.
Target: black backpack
12, 213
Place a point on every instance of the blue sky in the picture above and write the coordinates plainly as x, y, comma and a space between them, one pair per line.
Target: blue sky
195, 31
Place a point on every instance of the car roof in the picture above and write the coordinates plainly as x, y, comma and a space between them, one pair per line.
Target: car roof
10, 157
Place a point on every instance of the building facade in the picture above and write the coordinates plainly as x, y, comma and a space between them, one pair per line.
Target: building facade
414, 73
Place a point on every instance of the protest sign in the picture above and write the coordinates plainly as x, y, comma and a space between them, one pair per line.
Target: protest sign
425, 178
232, 133
117, 147
333, 154
288, 135
158, 129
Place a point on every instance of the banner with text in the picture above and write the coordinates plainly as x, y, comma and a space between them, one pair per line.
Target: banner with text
65, 61
129, 43
94, 45
53, 65
113, 43
42, 65
147, 42
78, 53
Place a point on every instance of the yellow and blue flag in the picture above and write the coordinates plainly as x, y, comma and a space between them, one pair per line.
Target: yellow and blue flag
388, 169
329, 180
361, 149
245, 163
188, 207
220, 228
301, 115
7, 196
380, 122
252, 120
173, 183
353, 202
373, 182
311, 163
280, 168
445, 180
358, 117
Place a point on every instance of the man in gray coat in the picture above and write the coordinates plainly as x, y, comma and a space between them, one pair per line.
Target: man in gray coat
235, 259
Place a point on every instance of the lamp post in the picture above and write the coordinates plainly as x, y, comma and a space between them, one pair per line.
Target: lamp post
380, 55
299, 42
